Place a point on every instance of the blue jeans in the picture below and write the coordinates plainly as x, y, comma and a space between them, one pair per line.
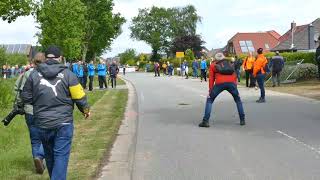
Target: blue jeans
195, 72
238, 74
57, 145
37, 148
260, 79
217, 89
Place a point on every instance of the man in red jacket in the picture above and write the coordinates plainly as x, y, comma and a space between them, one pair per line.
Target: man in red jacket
222, 77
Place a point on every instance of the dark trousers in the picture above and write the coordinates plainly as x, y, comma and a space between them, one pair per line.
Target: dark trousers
36, 145
57, 145
156, 72
238, 74
217, 89
80, 79
249, 76
85, 80
203, 74
113, 81
276, 78
91, 83
260, 80
102, 81
124, 71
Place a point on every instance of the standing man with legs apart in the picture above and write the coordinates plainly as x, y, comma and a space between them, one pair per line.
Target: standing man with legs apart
91, 73
113, 71
277, 64
259, 72
53, 89
37, 148
222, 78
203, 67
102, 73
248, 68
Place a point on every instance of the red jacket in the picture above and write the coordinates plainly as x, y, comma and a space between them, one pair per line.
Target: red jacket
217, 78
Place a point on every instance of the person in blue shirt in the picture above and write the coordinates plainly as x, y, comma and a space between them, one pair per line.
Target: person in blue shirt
75, 68
80, 73
195, 67
102, 73
203, 67
91, 69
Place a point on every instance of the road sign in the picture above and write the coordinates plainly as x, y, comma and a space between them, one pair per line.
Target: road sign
179, 54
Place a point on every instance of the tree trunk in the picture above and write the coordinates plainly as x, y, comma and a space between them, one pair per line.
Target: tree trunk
84, 52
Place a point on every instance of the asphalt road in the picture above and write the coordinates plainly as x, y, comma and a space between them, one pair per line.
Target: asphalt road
280, 141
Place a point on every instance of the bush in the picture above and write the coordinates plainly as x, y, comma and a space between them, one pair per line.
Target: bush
7, 93
305, 71
309, 57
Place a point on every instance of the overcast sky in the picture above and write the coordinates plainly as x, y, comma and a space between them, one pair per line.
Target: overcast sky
220, 20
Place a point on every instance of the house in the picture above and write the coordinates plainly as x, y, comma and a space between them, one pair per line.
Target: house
242, 43
24, 49
299, 38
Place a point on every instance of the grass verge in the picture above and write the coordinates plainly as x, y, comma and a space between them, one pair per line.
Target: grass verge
92, 139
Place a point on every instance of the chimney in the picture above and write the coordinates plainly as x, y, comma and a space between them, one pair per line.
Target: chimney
293, 26
311, 33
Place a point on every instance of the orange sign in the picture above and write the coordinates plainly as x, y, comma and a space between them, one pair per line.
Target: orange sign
179, 54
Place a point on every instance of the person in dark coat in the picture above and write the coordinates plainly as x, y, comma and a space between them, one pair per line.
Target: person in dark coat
277, 64
318, 59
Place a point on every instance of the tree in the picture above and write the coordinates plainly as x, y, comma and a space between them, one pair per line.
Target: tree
101, 27
10, 10
128, 56
62, 24
158, 26
189, 56
182, 43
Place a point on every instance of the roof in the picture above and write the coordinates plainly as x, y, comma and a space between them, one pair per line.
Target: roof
258, 39
17, 48
300, 37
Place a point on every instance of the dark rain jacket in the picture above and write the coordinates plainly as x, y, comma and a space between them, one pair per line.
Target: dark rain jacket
53, 89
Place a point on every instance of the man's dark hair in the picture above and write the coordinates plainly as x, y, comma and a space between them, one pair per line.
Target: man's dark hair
53, 50
260, 51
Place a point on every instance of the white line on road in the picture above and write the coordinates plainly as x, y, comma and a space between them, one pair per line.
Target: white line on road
203, 96
300, 142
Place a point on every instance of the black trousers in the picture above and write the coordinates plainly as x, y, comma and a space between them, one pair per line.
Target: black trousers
91, 83
85, 81
102, 81
249, 76
113, 81
203, 74
156, 72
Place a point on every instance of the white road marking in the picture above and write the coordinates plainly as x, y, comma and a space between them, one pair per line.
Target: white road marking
203, 96
300, 142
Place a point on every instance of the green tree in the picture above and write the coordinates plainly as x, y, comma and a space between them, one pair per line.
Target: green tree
10, 10
159, 26
128, 56
101, 27
2, 57
189, 55
62, 23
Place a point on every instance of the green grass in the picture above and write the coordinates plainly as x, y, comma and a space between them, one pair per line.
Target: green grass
92, 139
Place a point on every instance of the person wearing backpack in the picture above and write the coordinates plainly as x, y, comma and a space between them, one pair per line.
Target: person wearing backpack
113, 71
222, 77
259, 72
277, 64
248, 68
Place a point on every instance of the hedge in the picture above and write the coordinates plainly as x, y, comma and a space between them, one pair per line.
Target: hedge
309, 57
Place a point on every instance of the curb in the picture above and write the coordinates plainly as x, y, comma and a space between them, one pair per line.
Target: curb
120, 163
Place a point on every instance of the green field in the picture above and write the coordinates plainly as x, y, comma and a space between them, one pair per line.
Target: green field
91, 143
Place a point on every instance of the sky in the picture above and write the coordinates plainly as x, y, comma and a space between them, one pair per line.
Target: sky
221, 19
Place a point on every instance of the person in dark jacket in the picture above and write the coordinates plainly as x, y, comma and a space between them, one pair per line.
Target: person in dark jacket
277, 64
218, 83
237, 66
195, 67
318, 59
52, 89
113, 71
91, 72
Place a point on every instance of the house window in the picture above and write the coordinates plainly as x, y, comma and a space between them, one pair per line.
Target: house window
246, 46
267, 46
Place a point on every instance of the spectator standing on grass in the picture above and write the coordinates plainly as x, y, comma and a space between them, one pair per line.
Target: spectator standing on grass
91, 72
85, 74
259, 71
203, 67
222, 77
36, 145
237, 67
53, 89
102, 73
113, 71
4, 71
81, 73
195, 67
247, 66
277, 64
9, 72
318, 59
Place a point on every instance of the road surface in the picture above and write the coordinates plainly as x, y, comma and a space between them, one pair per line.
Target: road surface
280, 141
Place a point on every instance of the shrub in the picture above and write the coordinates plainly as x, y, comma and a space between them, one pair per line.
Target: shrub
304, 72
309, 57
7, 93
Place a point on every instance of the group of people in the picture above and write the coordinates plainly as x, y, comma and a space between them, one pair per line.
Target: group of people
47, 92
8, 71
84, 71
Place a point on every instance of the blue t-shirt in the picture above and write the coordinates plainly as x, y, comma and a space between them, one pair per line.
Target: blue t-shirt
203, 64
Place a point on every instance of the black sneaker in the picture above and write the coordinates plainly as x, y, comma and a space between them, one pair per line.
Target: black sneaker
204, 124
242, 122
261, 101
38, 163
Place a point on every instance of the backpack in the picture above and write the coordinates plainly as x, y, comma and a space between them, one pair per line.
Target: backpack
225, 67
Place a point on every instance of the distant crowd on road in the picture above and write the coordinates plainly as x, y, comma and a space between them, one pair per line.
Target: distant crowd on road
8, 71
